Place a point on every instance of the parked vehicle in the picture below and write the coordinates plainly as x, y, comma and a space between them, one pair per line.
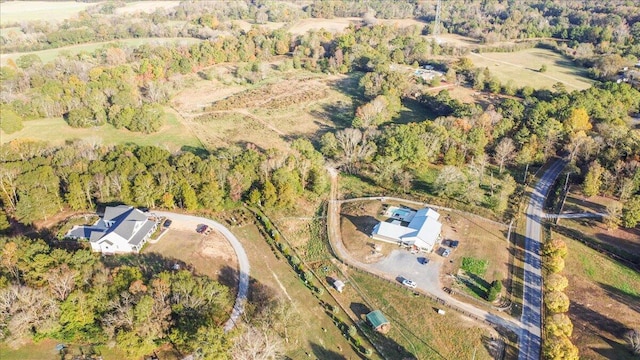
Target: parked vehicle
202, 229
454, 244
409, 283
167, 223
446, 253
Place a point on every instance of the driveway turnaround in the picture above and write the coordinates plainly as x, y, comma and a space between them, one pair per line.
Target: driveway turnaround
530, 340
243, 261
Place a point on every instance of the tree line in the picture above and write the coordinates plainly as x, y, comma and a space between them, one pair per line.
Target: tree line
38, 180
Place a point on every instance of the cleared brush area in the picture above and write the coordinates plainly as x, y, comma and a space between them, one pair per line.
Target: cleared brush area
523, 68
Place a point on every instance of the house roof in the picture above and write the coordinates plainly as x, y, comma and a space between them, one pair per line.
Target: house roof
338, 284
423, 229
376, 319
130, 225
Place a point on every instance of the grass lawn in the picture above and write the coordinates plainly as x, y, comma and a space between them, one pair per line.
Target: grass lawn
45, 349
605, 302
417, 328
50, 54
522, 67
173, 135
17, 11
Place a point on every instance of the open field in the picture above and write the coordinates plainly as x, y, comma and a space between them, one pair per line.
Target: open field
416, 326
605, 302
173, 135
281, 107
16, 11
208, 254
522, 67
145, 6
273, 277
50, 54
45, 349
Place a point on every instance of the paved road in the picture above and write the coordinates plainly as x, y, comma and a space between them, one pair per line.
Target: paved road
575, 215
428, 283
530, 341
243, 261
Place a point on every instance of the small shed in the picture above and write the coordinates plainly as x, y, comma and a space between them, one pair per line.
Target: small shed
339, 285
378, 321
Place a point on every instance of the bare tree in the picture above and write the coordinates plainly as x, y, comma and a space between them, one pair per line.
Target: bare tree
61, 281
355, 147
257, 344
505, 152
633, 338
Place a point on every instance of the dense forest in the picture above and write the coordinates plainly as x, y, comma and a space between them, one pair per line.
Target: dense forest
73, 295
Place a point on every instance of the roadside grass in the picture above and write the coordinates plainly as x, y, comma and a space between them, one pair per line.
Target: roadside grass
45, 349
51, 54
418, 328
522, 68
605, 302
173, 135
17, 11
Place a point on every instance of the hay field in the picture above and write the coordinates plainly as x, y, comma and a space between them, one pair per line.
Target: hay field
173, 135
17, 11
522, 67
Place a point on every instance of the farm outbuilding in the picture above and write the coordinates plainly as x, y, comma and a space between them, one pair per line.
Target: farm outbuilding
378, 321
339, 285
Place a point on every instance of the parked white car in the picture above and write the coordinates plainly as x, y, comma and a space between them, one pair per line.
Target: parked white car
409, 283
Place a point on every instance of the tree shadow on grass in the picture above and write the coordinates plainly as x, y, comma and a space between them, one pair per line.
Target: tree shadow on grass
597, 322
321, 352
624, 297
617, 351
149, 263
229, 277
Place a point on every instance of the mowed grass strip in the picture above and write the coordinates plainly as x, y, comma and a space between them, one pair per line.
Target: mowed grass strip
522, 68
416, 326
173, 135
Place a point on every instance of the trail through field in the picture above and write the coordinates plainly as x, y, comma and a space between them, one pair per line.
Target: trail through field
524, 67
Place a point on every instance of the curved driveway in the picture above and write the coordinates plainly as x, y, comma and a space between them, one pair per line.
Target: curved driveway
243, 261
530, 342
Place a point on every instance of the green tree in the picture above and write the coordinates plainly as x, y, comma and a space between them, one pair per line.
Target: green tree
494, 290
593, 181
631, 212
11, 122
75, 193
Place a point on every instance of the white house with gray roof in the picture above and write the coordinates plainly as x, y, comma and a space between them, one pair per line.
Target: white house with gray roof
410, 228
122, 229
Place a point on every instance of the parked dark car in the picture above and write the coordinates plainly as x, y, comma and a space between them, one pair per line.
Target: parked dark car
167, 223
202, 229
454, 244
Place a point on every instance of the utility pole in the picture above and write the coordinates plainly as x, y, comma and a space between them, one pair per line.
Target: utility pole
436, 25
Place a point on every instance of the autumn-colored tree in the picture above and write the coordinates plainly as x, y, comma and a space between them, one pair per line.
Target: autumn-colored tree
558, 325
556, 302
555, 282
593, 181
559, 348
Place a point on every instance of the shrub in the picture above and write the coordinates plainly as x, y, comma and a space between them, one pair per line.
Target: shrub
554, 264
494, 290
557, 302
560, 348
474, 266
555, 247
556, 282
352, 330
319, 291
558, 325
368, 351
